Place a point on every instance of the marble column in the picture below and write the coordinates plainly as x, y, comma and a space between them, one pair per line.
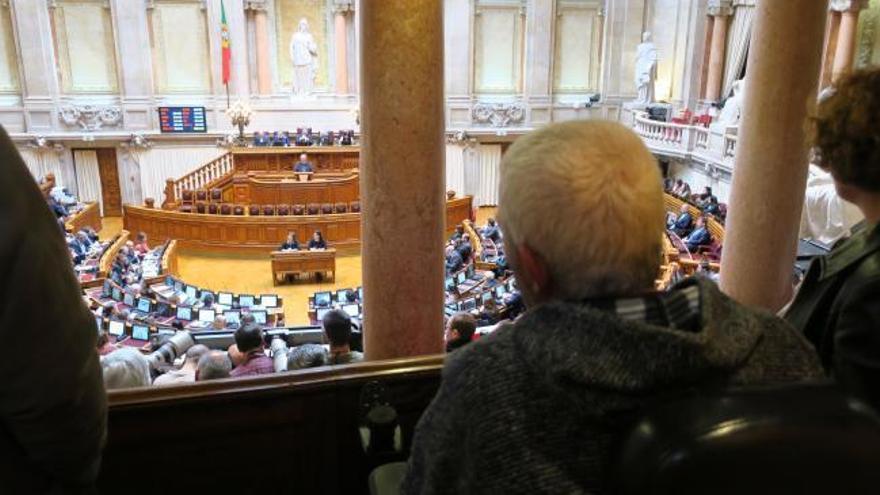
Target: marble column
770, 172
832, 26
261, 38
846, 44
340, 12
402, 176
717, 49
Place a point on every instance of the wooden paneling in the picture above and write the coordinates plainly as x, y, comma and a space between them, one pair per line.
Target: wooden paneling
110, 191
270, 159
275, 190
294, 431
258, 232
89, 216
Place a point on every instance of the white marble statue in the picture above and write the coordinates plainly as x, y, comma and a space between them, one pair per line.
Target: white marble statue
304, 55
646, 70
732, 111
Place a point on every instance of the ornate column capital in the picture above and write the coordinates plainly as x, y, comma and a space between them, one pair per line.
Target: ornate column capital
256, 5
847, 5
342, 7
720, 8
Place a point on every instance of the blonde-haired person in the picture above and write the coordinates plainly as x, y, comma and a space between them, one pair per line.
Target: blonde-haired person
525, 409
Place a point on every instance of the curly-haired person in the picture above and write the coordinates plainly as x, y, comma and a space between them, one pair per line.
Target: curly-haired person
838, 305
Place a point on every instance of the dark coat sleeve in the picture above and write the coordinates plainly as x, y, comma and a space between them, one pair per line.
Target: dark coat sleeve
52, 402
856, 362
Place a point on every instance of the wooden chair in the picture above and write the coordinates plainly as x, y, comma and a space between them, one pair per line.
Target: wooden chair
341, 208
212, 208
238, 210
201, 195
299, 209
200, 207
253, 210
327, 209
225, 209
268, 210
313, 208
355, 206
283, 210
186, 196
216, 195
186, 208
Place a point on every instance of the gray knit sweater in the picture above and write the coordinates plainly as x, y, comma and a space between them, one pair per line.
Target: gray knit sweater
534, 407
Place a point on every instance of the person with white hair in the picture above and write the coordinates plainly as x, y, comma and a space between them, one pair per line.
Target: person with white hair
125, 368
187, 372
528, 408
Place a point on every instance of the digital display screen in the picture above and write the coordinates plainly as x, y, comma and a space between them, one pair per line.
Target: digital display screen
182, 119
360, 293
342, 296
169, 281
191, 292
322, 299
260, 317
144, 305
224, 298
319, 315
269, 301
99, 322
245, 301
469, 304
184, 313
117, 294
128, 300
486, 296
450, 283
140, 332
178, 286
205, 293
116, 327
461, 277
232, 317
108, 288
500, 291
207, 315
353, 310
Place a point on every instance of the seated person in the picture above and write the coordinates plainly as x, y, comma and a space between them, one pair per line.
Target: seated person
317, 241
303, 165
57, 208
219, 323
838, 304
459, 231
306, 356
454, 261
140, 245
699, 237
459, 331
207, 301
125, 367
548, 389
249, 342
491, 231
187, 372
104, 345
213, 366
290, 244
683, 223
703, 199
712, 207
465, 249
337, 328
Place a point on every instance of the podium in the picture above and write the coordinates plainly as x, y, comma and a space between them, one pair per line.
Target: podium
304, 176
295, 262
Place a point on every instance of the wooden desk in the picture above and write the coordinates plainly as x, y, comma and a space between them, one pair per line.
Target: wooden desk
89, 216
277, 159
274, 189
295, 262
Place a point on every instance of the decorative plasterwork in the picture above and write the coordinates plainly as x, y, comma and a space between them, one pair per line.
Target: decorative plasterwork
343, 6
90, 117
256, 5
720, 7
40, 142
136, 142
461, 138
499, 114
847, 5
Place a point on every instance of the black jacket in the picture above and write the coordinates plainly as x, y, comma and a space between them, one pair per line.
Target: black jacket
838, 309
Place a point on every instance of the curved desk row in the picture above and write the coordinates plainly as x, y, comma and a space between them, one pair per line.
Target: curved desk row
89, 216
263, 233
285, 189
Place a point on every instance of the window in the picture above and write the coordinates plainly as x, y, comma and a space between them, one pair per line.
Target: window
498, 46
84, 46
179, 39
578, 43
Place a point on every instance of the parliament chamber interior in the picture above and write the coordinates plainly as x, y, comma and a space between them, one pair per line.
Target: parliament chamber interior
440, 246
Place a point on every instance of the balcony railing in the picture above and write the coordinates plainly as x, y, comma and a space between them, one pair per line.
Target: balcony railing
714, 146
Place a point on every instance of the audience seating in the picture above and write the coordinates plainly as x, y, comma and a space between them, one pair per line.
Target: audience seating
312, 209
201, 207
225, 209
216, 195
268, 210
212, 208
221, 208
186, 196
785, 439
201, 195
340, 208
355, 206
327, 209
299, 210
253, 210
283, 210
238, 210
186, 208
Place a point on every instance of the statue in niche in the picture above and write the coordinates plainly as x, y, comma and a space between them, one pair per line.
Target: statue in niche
646, 70
732, 111
304, 55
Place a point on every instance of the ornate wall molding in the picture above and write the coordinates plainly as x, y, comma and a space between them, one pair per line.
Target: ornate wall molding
342, 6
720, 8
499, 114
256, 5
90, 117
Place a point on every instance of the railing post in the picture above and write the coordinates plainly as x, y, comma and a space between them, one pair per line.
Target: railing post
170, 199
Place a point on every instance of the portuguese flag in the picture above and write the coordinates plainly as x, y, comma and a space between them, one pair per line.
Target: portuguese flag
224, 43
